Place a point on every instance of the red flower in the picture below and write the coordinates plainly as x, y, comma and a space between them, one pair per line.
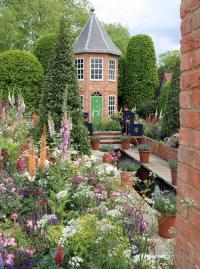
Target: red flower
59, 256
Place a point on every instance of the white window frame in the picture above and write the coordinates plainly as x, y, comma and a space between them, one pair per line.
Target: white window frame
94, 68
113, 106
81, 69
82, 102
115, 63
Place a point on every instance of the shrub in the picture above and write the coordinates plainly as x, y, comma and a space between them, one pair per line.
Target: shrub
141, 74
165, 202
95, 138
171, 122
173, 164
107, 148
143, 147
21, 71
108, 125
44, 49
163, 96
125, 138
147, 109
128, 166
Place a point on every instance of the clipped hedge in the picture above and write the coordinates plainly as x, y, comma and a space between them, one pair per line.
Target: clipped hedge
163, 96
44, 49
141, 76
171, 121
20, 71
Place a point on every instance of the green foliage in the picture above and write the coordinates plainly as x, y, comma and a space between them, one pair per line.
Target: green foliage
128, 166
163, 96
95, 138
147, 109
165, 202
44, 49
56, 80
119, 35
107, 148
121, 79
22, 22
107, 125
171, 122
21, 71
173, 164
143, 147
167, 61
125, 138
141, 72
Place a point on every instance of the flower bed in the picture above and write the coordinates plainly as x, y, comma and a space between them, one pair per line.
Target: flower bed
163, 151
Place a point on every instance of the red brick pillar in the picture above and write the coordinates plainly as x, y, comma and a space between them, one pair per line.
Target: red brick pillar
188, 224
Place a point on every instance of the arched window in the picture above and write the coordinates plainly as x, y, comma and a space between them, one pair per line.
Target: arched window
96, 94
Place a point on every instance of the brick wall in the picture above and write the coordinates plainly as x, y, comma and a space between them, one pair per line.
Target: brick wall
188, 224
105, 87
165, 152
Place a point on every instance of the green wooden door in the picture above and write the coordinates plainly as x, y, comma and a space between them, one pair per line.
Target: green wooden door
96, 108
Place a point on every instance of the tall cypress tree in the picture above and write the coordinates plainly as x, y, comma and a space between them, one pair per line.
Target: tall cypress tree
141, 76
56, 79
171, 121
61, 84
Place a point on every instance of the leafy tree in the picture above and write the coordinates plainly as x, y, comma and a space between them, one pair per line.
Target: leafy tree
121, 80
171, 123
119, 35
21, 71
141, 75
167, 61
44, 49
31, 19
163, 96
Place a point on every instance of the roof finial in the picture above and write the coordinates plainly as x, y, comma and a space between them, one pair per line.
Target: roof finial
92, 10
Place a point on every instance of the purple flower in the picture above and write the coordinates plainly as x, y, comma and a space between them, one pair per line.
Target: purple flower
53, 220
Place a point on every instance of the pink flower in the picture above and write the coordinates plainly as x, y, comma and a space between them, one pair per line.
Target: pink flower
29, 224
1, 238
9, 258
10, 242
115, 193
14, 216
77, 163
30, 250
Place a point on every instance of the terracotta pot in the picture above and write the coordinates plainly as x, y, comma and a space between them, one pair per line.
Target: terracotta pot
165, 222
95, 144
127, 178
174, 177
144, 156
125, 144
106, 159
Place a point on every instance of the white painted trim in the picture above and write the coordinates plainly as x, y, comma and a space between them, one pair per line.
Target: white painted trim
81, 69
115, 110
102, 68
112, 80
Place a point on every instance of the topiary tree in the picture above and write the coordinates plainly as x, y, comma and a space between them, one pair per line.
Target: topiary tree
141, 74
171, 122
21, 71
121, 80
61, 91
163, 96
44, 49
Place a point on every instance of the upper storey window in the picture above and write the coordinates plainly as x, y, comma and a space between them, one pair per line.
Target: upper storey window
96, 69
112, 69
79, 63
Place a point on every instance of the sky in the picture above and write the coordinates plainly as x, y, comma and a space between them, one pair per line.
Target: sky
158, 18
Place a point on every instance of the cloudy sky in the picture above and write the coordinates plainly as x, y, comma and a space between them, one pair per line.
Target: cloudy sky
157, 18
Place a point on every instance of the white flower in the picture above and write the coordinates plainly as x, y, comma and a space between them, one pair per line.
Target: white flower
63, 193
127, 253
114, 213
84, 191
75, 261
43, 221
69, 231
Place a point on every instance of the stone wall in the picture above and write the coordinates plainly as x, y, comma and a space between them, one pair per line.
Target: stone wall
188, 223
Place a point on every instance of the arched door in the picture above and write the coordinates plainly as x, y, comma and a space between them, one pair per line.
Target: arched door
96, 107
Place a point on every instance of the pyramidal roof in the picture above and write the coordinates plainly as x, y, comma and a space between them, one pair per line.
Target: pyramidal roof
94, 39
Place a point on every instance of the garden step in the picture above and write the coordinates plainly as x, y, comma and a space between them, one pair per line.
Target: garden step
107, 133
105, 137
110, 142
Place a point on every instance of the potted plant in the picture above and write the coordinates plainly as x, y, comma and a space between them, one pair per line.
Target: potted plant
95, 142
144, 152
107, 148
173, 165
165, 204
125, 142
128, 172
